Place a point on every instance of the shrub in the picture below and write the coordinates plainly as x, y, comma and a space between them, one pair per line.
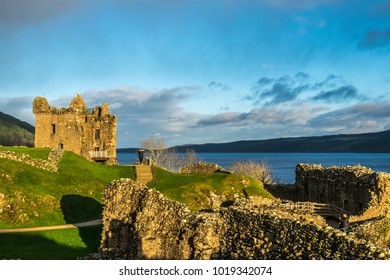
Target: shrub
258, 170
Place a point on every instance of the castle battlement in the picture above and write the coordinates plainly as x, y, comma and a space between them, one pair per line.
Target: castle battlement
90, 133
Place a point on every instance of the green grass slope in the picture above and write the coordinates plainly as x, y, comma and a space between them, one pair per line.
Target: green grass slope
65, 244
36, 197
14, 132
194, 189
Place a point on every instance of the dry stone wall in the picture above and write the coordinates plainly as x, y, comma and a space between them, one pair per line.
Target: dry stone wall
52, 164
139, 223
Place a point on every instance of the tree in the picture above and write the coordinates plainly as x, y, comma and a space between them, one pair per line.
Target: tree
167, 158
257, 170
155, 148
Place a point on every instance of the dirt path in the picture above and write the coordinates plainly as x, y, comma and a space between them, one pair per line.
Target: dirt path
77, 225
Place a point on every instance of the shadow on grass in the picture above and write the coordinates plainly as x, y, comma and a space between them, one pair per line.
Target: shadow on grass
66, 244
50, 245
77, 208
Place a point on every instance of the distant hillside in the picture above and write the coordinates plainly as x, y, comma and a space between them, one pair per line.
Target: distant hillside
14, 132
378, 142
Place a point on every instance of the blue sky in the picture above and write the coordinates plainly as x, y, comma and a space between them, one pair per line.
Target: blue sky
197, 71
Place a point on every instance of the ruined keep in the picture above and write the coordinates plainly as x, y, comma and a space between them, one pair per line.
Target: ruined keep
88, 133
356, 189
353, 188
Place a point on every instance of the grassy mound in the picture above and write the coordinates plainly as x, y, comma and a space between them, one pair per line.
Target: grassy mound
195, 190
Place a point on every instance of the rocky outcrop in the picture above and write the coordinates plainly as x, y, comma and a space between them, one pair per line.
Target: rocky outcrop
52, 164
141, 223
203, 168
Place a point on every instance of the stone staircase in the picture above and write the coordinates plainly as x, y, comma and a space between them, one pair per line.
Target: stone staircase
143, 173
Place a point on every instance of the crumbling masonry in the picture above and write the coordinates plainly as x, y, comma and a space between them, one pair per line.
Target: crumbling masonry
88, 133
356, 189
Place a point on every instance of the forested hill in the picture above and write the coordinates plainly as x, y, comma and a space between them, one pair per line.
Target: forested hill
378, 142
14, 132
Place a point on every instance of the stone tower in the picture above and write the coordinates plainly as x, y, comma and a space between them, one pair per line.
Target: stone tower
89, 133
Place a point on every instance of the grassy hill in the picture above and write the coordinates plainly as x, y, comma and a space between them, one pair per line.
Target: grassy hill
33, 197
38, 197
14, 132
378, 142
194, 189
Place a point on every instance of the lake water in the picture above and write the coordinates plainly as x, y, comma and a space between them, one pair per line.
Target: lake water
283, 164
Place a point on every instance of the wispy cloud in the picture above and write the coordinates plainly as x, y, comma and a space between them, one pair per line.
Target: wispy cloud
298, 4
19, 12
358, 118
271, 91
277, 115
145, 112
341, 94
376, 39
270, 65
19, 107
219, 86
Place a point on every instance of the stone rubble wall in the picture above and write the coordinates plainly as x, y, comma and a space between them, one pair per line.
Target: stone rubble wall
52, 164
283, 191
202, 168
357, 189
353, 188
139, 223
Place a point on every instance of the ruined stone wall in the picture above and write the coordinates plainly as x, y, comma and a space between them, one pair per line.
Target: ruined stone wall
139, 223
353, 188
52, 163
283, 191
202, 168
89, 133
58, 131
105, 138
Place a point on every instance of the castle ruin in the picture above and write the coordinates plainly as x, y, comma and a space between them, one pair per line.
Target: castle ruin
88, 133
356, 189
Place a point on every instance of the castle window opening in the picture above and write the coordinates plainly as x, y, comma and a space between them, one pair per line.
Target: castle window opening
86, 119
97, 134
346, 206
96, 149
61, 146
53, 129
